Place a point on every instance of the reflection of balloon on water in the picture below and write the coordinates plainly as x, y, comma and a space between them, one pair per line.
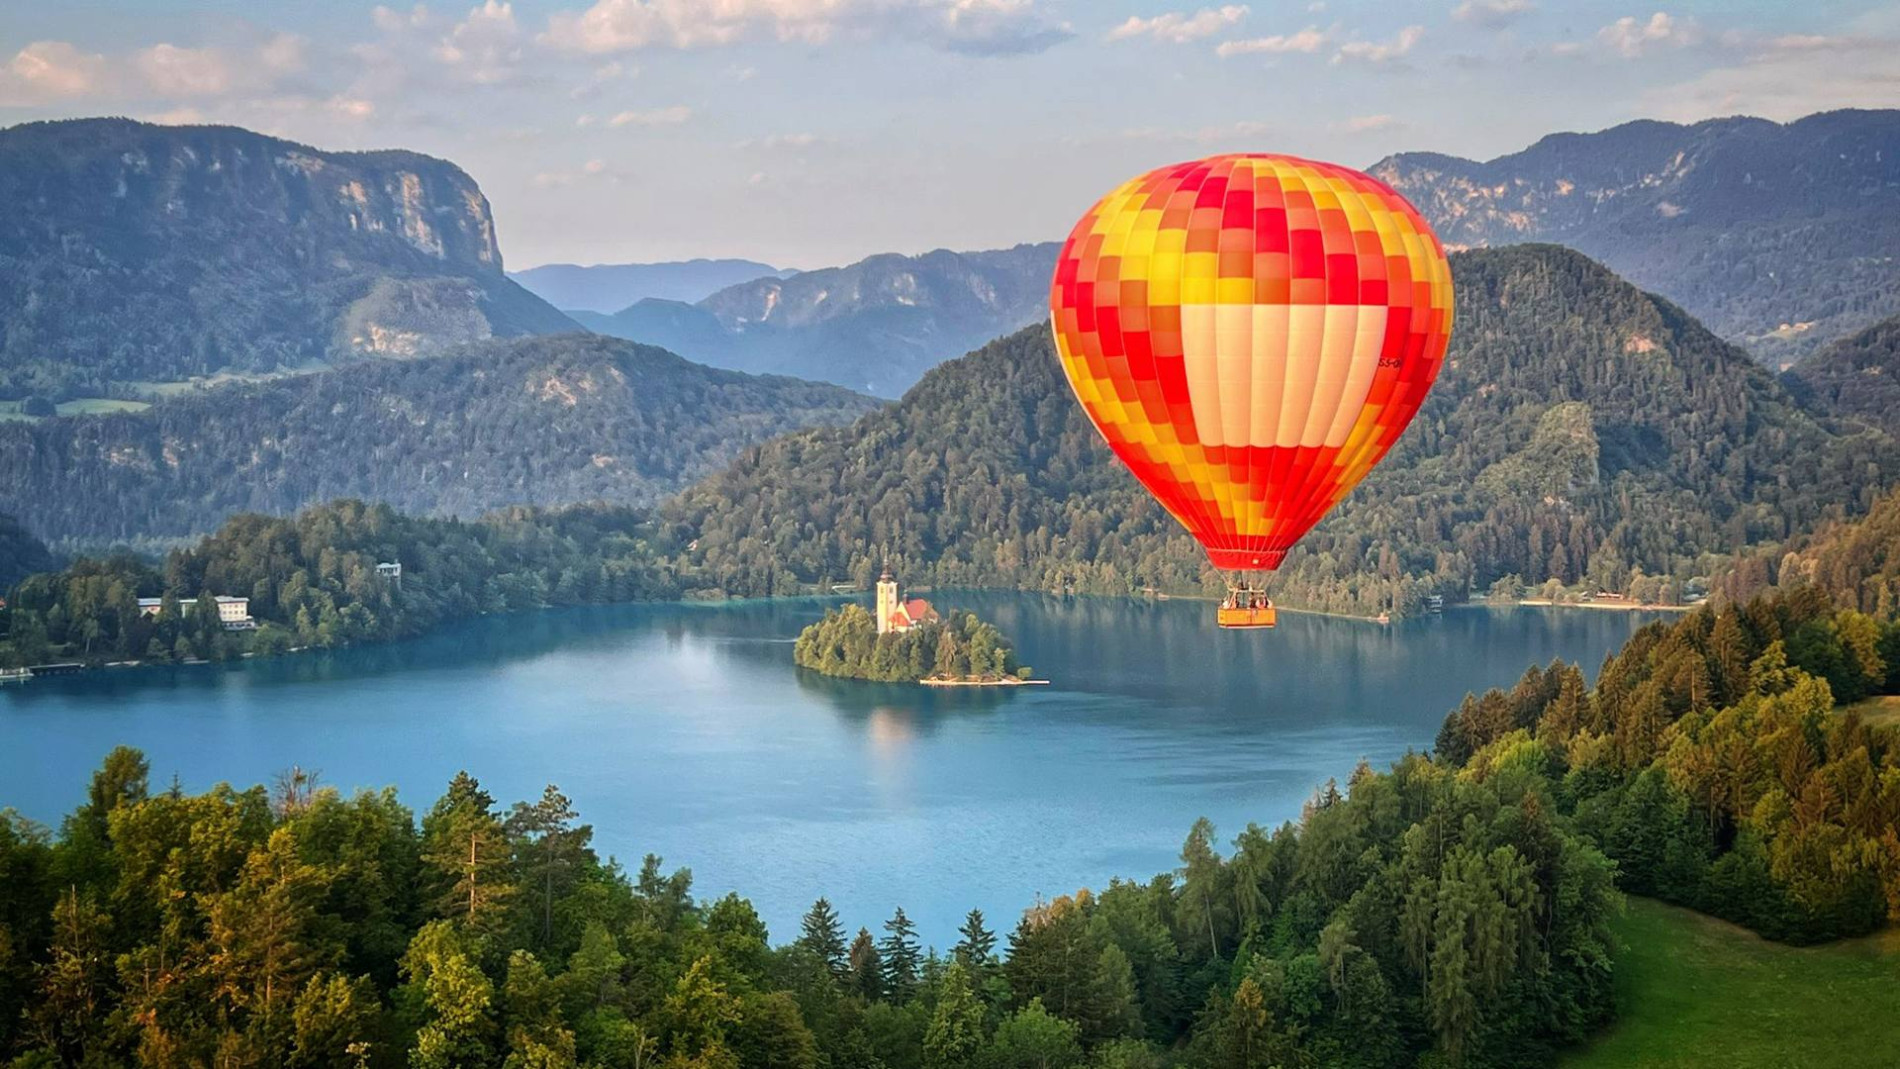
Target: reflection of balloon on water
1251, 334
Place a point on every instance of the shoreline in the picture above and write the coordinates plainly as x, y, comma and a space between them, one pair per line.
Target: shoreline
984, 682
1609, 606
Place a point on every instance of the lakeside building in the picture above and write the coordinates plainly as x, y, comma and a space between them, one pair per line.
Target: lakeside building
234, 613
895, 615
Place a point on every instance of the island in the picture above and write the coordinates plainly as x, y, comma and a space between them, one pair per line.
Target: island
909, 642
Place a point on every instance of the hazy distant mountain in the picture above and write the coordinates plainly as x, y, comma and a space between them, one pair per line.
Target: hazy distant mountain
138, 252
1581, 428
1857, 376
553, 420
876, 325
1781, 237
607, 288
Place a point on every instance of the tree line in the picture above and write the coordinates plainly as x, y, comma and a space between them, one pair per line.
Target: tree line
312, 580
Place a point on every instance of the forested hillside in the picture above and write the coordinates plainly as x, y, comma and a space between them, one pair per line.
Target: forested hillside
550, 420
876, 325
21, 553
1710, 764
1581, 430
312, 581
133, 252
1778, 236
1855, 562
1858, 376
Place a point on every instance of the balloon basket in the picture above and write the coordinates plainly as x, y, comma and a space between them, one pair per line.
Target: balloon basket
1246, 609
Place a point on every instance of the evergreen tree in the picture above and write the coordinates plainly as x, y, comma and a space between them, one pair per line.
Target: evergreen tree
823, 934
901, 956
867, 969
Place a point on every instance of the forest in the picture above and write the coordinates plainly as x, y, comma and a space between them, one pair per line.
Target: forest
1452, 910
959, 647
546, 420
1582, 431
1422, 912
312, 581
1710, 764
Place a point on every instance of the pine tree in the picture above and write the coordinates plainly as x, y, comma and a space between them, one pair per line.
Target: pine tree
552, 847
823, 934
867, 971
901, 956
977, 949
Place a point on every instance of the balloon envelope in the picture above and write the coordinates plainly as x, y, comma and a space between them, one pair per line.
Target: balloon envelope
1251, 334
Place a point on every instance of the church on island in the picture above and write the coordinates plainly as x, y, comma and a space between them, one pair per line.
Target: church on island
896, 616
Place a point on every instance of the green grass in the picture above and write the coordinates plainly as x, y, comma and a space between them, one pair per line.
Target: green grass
92, 406
1694, 992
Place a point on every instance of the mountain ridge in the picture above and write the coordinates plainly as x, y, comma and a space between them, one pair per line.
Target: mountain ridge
156, 253
876, 325
1778, 235
987, 473
544, 420
604, 289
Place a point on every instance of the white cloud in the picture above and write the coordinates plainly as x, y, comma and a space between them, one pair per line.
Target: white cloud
1309, 40
798, 142
1491, 12
174, 72
1365, 124
1786, 77
1380, 52
46, 71
1630, 37
485, 46
672, 116
987, 27
1179, 26
591, 170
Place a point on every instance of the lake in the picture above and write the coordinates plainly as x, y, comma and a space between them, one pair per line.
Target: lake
685, 731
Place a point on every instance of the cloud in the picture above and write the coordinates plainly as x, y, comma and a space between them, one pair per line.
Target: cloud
1491, 12
1630, 38
46, 71
484, 47
1309, 40
1180, 27
1785, 77
174, 72
1365, 124
672, 116
981, 27
589, 171
1380, 52
1228, 134
798, 142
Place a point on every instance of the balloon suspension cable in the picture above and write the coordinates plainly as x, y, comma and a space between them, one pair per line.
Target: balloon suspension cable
1246, 592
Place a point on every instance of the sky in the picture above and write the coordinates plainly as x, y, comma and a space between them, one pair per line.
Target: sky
813, 132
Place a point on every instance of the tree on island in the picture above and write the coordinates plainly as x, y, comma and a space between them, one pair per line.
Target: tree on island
959, 647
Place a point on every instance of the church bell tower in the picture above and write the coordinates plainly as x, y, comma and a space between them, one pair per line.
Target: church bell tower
886, 601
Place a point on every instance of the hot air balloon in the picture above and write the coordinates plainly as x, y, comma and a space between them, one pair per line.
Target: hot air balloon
1251, 333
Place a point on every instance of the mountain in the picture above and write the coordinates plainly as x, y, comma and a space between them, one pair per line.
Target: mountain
1781, 237
137, 253
1857, 376
607, 288
876, 325
1581, 430
550, 420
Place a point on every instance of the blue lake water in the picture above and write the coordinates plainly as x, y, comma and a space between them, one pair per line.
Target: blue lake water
686, 731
